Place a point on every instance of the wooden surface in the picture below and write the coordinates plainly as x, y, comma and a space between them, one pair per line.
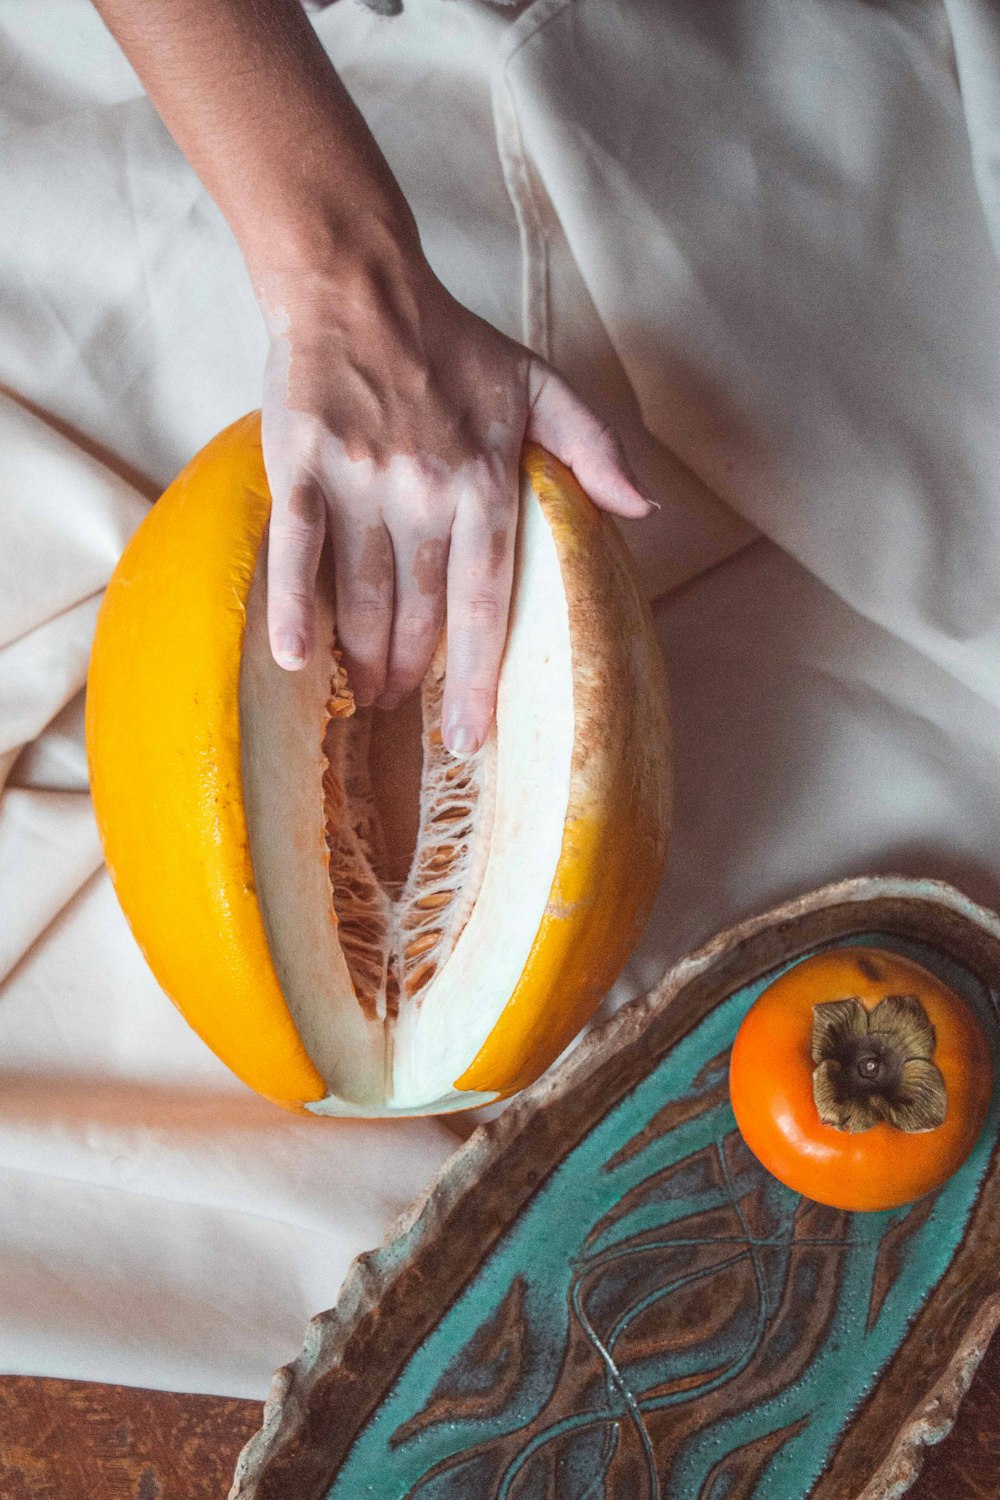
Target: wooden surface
67, 1440
70, 1440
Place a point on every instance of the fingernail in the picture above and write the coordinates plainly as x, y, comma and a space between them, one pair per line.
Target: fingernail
291, 650
461, 740
630, 475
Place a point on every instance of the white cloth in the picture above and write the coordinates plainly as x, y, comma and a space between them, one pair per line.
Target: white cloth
761, 236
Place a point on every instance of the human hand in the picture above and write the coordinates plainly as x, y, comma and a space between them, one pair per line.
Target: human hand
393, 419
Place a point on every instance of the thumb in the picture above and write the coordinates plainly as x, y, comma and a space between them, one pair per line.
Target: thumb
564, 424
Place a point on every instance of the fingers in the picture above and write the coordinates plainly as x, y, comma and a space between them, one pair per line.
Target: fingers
295, 539
364, 574
566, 426
480, 572
418, 612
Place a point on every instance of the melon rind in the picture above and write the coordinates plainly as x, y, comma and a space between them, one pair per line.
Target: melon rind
163, 749
617, 821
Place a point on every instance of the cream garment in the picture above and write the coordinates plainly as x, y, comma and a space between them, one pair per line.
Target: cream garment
758, 237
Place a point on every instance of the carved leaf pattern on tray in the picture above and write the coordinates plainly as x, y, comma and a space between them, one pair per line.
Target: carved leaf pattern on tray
665, 1319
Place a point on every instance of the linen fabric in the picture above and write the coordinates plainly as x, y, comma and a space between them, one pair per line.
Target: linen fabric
761, 237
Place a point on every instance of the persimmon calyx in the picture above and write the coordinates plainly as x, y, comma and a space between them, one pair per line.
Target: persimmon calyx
873, 1065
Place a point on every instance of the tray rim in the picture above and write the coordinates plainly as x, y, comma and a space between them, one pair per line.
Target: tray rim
372, 1273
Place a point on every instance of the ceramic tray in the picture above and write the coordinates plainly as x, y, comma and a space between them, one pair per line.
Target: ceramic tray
604, 1295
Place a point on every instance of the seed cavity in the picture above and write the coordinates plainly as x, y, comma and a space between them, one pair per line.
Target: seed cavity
397, 935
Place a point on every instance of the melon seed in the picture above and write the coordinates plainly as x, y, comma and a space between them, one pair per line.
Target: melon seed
422, 943
434, 900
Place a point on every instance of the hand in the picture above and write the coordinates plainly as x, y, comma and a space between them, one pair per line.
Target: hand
393, 418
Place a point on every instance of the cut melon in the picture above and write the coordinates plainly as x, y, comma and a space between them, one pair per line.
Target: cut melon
356, 921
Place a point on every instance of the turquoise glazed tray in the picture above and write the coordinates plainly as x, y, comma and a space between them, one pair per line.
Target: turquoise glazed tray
605, 1295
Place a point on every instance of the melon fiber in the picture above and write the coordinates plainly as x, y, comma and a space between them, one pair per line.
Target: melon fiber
354, 920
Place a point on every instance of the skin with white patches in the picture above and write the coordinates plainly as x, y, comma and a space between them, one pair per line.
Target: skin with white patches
418, 618
393, 417
392, 411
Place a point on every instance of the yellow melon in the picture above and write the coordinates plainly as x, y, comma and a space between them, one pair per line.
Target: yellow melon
356, 922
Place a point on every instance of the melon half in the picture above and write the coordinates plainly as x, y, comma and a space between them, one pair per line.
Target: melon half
355, 921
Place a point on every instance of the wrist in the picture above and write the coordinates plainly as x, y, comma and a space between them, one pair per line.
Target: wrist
347, 277
312, 241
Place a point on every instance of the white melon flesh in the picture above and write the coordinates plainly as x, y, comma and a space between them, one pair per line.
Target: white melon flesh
396, 980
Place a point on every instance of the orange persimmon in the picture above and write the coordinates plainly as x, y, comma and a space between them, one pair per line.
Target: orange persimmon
860, 1079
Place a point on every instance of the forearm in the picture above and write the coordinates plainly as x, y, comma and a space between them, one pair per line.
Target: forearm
251, 98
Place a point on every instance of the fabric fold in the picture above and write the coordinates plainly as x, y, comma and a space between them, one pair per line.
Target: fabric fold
975, 31
780, 229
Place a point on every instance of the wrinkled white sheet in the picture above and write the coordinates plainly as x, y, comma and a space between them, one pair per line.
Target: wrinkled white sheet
761, 235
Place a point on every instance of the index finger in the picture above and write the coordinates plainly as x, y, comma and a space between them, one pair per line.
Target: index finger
296, 530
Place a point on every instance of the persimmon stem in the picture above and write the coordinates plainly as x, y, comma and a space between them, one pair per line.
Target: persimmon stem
875, 1065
